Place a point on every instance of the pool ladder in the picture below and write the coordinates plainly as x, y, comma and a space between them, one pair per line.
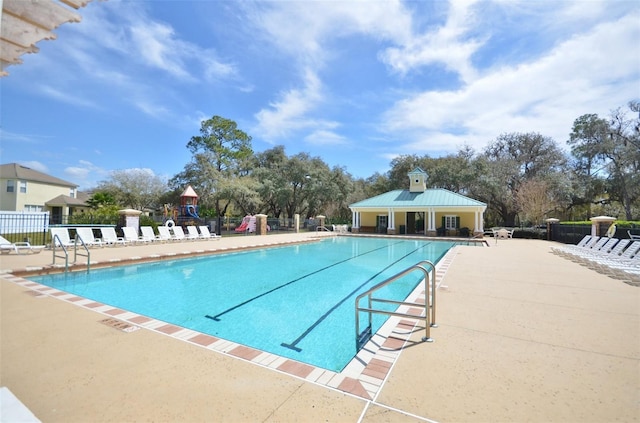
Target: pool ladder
65, 253
429, 306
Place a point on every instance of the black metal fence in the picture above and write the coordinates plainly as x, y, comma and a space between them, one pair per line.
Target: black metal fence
572, 234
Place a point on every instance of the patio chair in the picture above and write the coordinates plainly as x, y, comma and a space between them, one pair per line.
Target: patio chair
192, 233
60, 237
131, 235
109, 237
18, 247
178, 233
633, 236
205, 234
164, 234
86, 235
148, 234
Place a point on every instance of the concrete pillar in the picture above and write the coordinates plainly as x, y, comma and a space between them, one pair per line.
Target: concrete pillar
261, 224
296, 222
129, 217
550, 222
600, 225
321, 220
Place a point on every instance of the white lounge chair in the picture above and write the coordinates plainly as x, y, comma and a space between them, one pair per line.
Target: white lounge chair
633, 237
131, 235
192, 233
178, 233
60, 237
164, 234
109, 237
18, 247
86, 235
148, 234
205, 234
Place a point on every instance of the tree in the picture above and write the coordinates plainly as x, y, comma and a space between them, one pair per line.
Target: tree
587, 140
101, 199
135, 188
535, 200
509, 161
221, 155
622, 150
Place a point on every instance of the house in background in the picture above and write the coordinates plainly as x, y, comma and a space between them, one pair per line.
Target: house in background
433, 211
26, 190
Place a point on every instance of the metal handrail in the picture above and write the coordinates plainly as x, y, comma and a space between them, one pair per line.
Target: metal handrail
64, 249
86, 249
78, 240
361, 337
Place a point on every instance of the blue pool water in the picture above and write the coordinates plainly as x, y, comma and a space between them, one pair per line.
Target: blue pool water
295, 301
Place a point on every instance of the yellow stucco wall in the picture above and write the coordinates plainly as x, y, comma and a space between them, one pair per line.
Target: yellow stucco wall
37, 195
467, 219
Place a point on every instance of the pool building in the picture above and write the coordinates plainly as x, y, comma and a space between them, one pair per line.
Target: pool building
430, 211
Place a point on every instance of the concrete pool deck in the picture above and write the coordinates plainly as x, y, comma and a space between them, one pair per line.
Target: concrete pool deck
524, 335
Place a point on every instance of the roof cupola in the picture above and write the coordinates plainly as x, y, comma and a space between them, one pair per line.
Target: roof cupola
417, 180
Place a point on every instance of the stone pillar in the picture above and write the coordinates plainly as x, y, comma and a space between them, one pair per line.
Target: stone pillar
600, 225
321, 219
550, 222
296, 222
261, 224
129, 217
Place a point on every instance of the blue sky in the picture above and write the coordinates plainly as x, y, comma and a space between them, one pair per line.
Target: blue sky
354, 82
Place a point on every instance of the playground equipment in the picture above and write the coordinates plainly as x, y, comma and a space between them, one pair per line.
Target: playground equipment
187, 212
248, 224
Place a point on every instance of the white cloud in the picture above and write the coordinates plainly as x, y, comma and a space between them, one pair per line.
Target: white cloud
589, 73
323, 137
448, 45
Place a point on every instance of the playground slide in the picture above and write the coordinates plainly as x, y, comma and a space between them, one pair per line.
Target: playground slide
191, 211
243, 226
248, 224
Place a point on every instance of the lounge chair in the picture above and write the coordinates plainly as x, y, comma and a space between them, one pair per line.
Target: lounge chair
148, 234
164, 234
178, 233
633, 236
60, 237
86, 235
131, 235
192, 233
109, 237
18, 247
205, 234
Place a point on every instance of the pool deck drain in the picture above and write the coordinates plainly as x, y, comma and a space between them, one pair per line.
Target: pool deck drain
362, 377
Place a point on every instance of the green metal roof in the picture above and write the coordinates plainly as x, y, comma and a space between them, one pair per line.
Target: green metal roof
437, 197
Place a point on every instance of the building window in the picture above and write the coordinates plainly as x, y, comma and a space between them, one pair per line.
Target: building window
23, 187
31, 208
11, 186
450, 222
72, 193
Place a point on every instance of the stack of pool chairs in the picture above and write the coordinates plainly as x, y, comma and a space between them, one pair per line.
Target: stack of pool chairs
615, 257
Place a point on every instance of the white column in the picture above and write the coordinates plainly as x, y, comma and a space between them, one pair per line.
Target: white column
354, 222
392, 223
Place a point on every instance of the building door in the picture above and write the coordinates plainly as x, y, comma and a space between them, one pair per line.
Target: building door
382, 224
56, 215
411, 222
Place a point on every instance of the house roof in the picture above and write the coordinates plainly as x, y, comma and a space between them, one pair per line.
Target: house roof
65, 200
189, 192
435, 197
17, 171
25, 23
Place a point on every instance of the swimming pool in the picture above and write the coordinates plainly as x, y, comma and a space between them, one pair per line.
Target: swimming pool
295, 301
